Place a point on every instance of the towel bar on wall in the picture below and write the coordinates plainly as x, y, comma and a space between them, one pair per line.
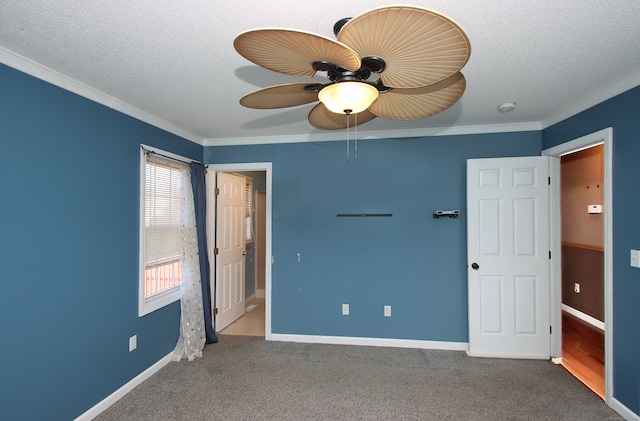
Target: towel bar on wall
363, 215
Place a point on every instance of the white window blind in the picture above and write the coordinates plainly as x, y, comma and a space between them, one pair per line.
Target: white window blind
162, 254
247, 195
248, 208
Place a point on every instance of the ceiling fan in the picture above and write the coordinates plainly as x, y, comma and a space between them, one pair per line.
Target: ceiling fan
395, 62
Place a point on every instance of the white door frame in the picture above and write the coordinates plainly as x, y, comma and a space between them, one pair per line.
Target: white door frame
267, 168
604, 136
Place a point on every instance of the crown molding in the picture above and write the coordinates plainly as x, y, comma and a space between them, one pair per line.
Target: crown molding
37, 70
600, 96
380, 134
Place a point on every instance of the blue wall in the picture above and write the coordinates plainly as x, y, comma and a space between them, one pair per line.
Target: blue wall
410, 261
621, 113
69, 241
69, 251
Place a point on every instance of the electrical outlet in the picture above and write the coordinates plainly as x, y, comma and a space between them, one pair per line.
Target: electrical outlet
576, 288
345, 309
387, 311
133, 342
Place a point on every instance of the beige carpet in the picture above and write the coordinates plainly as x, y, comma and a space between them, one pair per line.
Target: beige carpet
248, 378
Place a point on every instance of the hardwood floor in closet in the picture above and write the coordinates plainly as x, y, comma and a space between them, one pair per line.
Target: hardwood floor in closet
583, 352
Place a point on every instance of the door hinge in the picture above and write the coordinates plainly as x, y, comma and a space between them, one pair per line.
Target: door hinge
549, 180
216, 250
550, 330
549, 254
215, 311
216, 191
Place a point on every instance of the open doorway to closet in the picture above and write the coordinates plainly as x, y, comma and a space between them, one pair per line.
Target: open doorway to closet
582, 243
582, 293
255, 318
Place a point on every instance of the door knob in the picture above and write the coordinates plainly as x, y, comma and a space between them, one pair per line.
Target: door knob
475, 266
244, 252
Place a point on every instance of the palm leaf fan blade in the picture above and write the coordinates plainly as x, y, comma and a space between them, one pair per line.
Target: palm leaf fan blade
416, 103
279, 96
321, 118
293, 52
419, 46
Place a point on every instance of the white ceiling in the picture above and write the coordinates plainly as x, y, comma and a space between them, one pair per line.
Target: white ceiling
173, 62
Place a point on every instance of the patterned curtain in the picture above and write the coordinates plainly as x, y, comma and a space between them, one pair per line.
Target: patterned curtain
192, 330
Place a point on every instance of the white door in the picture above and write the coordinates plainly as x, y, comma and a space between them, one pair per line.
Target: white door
230, 245
508, 257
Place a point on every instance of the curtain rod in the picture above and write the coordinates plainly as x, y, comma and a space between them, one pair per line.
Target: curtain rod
148, 152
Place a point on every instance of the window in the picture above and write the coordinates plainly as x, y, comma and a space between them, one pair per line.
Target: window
162, 184
249, 211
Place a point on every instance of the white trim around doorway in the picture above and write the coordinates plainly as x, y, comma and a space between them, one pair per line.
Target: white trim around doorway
604, 136
268, 169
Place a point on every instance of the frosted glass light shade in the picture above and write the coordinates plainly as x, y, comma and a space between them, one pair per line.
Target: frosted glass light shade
348, 97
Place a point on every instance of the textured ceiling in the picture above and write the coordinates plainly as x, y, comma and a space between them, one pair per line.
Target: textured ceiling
175, 60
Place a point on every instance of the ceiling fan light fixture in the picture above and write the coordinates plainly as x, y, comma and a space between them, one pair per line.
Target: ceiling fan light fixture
348, 97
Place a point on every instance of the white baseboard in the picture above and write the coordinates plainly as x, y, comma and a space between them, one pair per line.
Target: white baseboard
512, 357
126, 388
260, 293
583, 316
381, 342
624, 412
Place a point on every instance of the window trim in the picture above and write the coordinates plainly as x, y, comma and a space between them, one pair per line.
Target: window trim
154, 302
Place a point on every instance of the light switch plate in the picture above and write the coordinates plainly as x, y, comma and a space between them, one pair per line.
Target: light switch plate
133, 342
635, 258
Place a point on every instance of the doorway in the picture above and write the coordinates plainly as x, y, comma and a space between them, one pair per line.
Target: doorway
252, 321
582, 243
264, 169
563, 314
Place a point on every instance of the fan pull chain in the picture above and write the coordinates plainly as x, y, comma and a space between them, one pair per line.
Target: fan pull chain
347, 112
355, 137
